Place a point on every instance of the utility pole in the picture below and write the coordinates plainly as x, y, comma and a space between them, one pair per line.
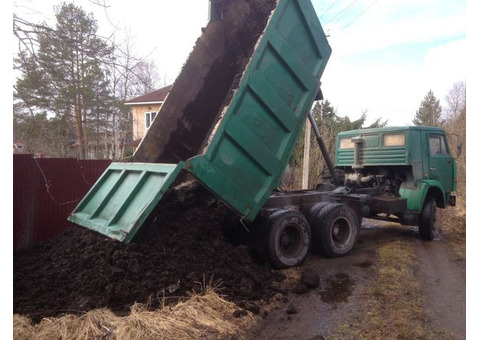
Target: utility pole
306, 155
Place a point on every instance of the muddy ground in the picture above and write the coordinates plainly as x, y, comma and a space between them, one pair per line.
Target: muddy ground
321, 312
190, 245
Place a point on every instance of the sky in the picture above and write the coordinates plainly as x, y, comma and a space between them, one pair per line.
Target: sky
386, 54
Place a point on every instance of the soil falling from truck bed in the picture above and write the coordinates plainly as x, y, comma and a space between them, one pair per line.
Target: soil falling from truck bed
207, 82
184, 249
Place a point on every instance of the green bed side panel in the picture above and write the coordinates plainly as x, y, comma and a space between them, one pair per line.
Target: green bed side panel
123, 197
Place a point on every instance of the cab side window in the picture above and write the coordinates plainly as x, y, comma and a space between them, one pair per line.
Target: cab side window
438, 147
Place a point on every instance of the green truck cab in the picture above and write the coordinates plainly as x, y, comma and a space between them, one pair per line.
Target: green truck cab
410, 164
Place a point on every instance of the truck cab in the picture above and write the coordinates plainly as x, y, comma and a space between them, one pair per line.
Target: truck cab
412, 163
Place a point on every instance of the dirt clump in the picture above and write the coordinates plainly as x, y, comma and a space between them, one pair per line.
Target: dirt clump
181, 251
310, 278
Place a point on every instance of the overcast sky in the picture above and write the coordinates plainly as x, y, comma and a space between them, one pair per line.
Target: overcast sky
387, 54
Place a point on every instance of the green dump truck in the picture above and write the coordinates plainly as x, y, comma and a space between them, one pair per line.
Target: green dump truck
232, 119
397, 174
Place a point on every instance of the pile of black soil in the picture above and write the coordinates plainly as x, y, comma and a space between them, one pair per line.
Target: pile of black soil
180, 252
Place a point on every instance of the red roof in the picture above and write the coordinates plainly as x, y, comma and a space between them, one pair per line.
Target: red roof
156, 96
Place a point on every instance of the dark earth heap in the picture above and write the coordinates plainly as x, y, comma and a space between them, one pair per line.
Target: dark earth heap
179, 252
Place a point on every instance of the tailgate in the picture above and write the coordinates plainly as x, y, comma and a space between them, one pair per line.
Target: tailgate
123, 198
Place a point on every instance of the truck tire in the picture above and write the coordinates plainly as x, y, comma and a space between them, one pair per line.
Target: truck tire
427, 226
335, 230
315, 210
288, 239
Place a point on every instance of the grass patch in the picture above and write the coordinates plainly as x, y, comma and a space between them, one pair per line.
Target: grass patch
452, 223
393, 304
205, 316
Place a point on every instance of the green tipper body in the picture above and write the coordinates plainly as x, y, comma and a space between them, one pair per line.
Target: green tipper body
232, 117
422, 152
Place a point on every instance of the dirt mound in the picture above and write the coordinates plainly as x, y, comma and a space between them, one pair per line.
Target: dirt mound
182, 250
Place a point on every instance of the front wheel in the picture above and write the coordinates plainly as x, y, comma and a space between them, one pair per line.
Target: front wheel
428, 226
288, 239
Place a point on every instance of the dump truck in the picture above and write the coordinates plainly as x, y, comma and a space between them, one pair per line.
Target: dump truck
231, 121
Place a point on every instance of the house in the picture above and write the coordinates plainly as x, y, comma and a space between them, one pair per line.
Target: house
144, 109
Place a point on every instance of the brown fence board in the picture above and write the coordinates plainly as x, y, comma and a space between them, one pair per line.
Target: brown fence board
45, 191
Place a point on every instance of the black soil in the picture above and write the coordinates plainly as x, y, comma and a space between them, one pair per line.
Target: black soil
184, 249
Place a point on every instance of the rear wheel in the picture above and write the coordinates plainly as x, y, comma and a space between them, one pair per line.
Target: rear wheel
335, 230
427, 227
288, 239
315, 210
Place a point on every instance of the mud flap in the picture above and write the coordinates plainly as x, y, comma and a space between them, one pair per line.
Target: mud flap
452, 200
123, 197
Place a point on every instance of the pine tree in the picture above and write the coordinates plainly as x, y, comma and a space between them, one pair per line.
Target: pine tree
65, 77
430, 111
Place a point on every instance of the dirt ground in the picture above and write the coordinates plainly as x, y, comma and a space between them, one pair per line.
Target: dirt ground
320, 313
187, 247
443, 277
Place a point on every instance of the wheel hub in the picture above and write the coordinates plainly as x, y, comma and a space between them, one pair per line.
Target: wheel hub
336, 231
285, 241
340, 231
289, 239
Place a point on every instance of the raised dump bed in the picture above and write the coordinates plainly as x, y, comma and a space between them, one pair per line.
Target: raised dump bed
231, 119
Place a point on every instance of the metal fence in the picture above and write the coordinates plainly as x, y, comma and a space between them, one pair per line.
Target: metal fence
45, 192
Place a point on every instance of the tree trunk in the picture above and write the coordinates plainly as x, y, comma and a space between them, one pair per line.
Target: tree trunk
79, 128
84, 127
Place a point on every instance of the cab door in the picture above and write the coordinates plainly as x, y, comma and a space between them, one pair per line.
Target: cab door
440, 161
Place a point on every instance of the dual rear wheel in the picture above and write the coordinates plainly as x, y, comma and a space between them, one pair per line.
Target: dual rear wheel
335, 230
288, 238
331, 230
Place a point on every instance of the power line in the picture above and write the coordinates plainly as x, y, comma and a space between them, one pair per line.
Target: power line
358, 16
342, 12
329, 7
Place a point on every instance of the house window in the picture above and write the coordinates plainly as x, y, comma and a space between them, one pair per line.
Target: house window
149, 116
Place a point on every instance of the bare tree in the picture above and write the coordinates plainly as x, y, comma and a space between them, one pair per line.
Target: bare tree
456, 100
130, 76
455, 126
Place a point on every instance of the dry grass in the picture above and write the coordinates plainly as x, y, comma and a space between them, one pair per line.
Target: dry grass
206, 316
453, 220
393, 305
453, 225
